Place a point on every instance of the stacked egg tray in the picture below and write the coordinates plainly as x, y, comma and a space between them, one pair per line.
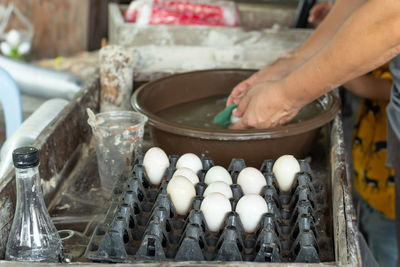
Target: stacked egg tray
142, 225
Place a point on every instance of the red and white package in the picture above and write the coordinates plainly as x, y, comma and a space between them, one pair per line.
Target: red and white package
183, 12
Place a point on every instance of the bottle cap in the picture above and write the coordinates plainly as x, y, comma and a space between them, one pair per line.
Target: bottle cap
26, 157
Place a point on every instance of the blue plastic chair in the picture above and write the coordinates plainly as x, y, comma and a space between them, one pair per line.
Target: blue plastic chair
10, 99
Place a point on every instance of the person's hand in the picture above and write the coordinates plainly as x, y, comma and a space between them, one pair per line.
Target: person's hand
319, 12
265, 105
273, 72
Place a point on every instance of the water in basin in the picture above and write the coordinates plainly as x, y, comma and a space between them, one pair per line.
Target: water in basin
200, 113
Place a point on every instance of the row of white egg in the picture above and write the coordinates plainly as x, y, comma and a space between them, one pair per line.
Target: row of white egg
216, 204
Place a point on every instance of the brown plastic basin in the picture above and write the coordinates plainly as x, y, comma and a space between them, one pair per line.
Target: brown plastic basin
254, 145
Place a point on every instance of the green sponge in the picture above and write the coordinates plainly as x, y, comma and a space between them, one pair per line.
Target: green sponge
224, 117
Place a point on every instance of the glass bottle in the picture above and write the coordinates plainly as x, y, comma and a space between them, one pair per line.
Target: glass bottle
33, 236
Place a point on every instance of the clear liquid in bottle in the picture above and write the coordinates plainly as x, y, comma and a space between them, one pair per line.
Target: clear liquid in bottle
33, 236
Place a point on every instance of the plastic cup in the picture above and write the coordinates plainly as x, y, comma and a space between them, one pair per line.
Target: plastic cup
118, 138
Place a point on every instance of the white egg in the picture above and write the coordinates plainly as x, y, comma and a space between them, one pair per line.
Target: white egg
219, 187
191, 161
235, 119
188, 173
218, 173
215, 206
155, 162
250, 209
251, 180
285, 169
181, 191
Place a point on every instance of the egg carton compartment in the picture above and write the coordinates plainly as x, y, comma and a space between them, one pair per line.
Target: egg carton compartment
142, 224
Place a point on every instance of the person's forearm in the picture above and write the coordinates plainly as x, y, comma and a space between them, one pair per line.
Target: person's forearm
367, 39
326, 30
368, 86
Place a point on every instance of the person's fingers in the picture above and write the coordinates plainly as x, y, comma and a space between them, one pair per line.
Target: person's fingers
311, 17
320, 15
316, 15
240, 125
237, 91
319, 12
242, 106
240, 89
244, 123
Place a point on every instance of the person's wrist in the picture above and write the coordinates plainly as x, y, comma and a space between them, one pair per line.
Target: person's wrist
293, 98
293, 61
287, 58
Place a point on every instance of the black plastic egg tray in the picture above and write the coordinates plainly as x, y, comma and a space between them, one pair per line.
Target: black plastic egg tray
142, 225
